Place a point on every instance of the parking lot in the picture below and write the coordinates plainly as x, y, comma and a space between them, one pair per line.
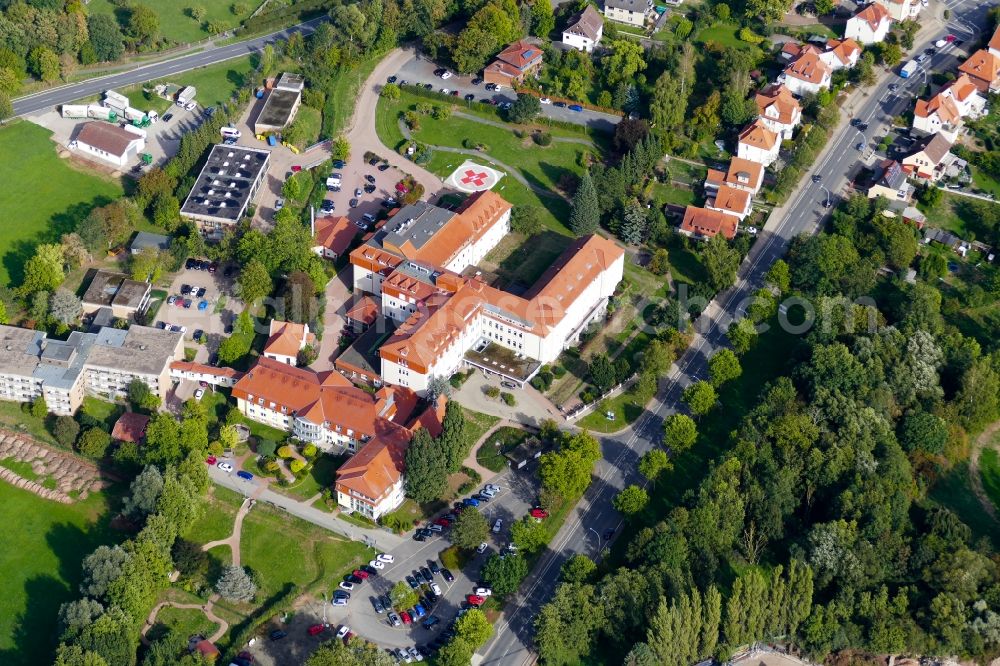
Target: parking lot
519, 492
214, 318
420, 71
354, 176
163, 138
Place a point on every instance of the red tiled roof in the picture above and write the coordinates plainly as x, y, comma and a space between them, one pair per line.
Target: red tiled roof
982, 65
873, 15
107, 137
756, 134
130, 427
745, 172
202, 369
708, 223
781, 99
846, 50
520, 55
808, 66
365, 310
335, 233
995, 40
287, 338
732, 200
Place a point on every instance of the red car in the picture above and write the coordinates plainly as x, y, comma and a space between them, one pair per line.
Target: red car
316, 629
443, 522
405, 617
211, 460
348, 636
296, 168
363, 575
950, 38
539, 513
476, 600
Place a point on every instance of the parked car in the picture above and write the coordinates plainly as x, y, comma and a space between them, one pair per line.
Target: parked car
385, 557
481, 548
210, 460
167, 116
480, 497
358, 573
405, 617
475, 599
575, 107
437, 529
370, 570
470, 501
339, 164
278, 204
497, 526
346, 585
426, 574
539, 513
435, 568
448, 575
354, 580
412, 582
483, 592
392, 79
436, 589
470, 97
316, 630
394, 619
419, 611
561, 105
443, 522
377, 564
383, 167
199, 394
225, 467
353, 203
343, 631
431, 621
278, 634
377, 605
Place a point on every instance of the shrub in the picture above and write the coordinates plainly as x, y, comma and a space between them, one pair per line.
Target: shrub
558, 371
508, 398
297, 466
397, 522
285, 451
492, 391
309, 451
542, 138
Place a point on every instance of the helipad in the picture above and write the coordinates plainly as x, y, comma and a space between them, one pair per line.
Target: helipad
472, 177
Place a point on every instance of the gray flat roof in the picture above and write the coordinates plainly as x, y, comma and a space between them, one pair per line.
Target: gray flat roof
363, 352
416, 223
138, 350
144, 239
19, 350
222, 190
277, 111
496, 358
290, 81
109, 288
70, 357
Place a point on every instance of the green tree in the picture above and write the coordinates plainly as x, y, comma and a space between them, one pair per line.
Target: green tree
742, 336
65, 307
625, 60
524, 108
679, 432
779, 276
255, 283
39, 408
634, 226
44, 271
474, 628
577, 569
925, 432
94, 443
235, 584
526, 220
890, 54
602, 372
197, 12
142, 397
456, 652
700, 397
6, 105
528, 535
65, 429
563, 634
721, 261
723, 367
402, 596
585, 216
654, 464
144, 493
470, 529
44, 63
504, 573
453, 441
426, 468
143, 24
631, 500
543, 21
105, 37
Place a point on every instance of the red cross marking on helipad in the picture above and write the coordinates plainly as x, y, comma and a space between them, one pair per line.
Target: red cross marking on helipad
475, 177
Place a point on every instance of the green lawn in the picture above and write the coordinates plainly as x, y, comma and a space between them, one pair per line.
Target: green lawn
342, 95
40, 557
956, 214
673, 194
13, 417
724, 34
183, 622
476, 425
322, 475
490, 454
106, 412
216, 522
989, 468
42, 196
175, 23
985, 182
215, 83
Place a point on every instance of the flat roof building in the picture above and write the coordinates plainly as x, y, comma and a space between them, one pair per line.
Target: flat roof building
144, 239
226, 186
122, 295
281, 104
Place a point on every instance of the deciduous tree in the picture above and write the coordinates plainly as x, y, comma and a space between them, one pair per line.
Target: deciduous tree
426, 468
700, 397
470, 529
504, 573
724, 367
631, 500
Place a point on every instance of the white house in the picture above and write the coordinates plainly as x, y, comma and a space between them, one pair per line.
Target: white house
945, 112
585, 31
110, 143
900, 10
632, 12
731, 201
286, 339
870, 25
779, 110
758, 144
841, 54
806, 73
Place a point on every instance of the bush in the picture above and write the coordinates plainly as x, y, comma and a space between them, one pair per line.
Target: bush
297, 466
492, 392
285, 451
397, 522
508, 398
309, 451
542, 138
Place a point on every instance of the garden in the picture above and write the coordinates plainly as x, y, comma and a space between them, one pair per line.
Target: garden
491, 454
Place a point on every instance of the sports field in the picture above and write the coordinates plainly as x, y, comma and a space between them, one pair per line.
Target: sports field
42, 196
43, 545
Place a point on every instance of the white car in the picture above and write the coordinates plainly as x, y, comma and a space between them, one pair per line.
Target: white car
445, 91
225, 467
922, 57
436, 589
481, 548
446, 75
940, 43
345, 585
339, 601
377, 564
497, 525
489, 492
189, 106
278, 204
343, 631
493, 487
483, 592
385, 557
416, 655
545, 100
199, 394
435, 528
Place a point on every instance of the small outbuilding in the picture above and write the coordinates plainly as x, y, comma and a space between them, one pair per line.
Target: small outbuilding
130, 427
110, 143
144, 239
281, 104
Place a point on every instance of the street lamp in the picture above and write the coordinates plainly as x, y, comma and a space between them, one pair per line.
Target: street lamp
598, 539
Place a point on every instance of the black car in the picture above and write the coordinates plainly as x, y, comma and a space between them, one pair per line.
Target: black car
351, 578
476, 81
369, 188
167, 117
327, 206
200, 293
197, 334
412, 582
391, 79
278, 634
384, 166
481, 498
816, 178
863, 127
353, 203
386, 601
860, 146
491, 86
439, 71
447, 575
341, 594
389, 203
370, 178
190, 263
435, 569
339, 164
561, 105
470, 97
185, 289
426, 573
428, 86
370, 570
375, 160
204, 265
377, 605
855, 122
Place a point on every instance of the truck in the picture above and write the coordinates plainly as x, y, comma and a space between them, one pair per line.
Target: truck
186, 95
115, 100
74, 110
132, 113
102, 113
908, 69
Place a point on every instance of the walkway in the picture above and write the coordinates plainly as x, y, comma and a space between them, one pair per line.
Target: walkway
338, 295
508, 127
361, 129
205, 608
233, 540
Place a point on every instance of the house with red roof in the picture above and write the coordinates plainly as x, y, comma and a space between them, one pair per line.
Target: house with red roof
983, 69
130, 427
512, 65
333, 235
286, 339
778, 109
870, 25
704, 223
759, 144
946, 111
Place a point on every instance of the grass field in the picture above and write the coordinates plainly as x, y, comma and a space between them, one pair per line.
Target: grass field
952, 491
42, 196
215, 83
40, 557
175, 23
989, 468
322, 475
183, 622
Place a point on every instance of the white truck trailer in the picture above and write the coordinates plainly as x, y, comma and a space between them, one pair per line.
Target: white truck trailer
115, 100
186, 95
74, 110
134, 114
102, 113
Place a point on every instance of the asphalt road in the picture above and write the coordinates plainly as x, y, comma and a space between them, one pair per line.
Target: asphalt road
157, 70
584, 530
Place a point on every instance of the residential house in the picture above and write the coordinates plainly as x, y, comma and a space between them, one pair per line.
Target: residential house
332, 236
125, 297
109, 143
841, 54
707, 223
890, 182
732, 201
994, 45
585, 30
928, 158
742, 174
983, 69
362, 314
632, 12
870, 25
779, 110
209, 374
513, 64
900, 10
946, 111
757, 143
807, 72
286, 339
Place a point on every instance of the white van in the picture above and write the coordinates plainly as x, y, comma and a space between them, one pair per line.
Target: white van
230, 133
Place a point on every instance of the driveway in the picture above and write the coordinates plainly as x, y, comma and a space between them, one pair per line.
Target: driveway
420, 71
530, 408
221, 311
338, 295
